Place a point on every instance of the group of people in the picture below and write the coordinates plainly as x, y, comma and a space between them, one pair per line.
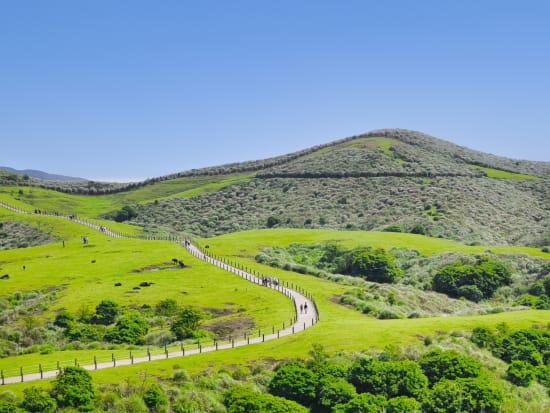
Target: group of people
269, 281
303, 308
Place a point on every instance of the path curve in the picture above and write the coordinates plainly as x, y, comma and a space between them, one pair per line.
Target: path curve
302, 321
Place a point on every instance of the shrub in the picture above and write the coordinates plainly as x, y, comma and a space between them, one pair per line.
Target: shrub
187, 323
73, 388
448, 364
130, 329
155, 399
521, 373
36, 400
294, 381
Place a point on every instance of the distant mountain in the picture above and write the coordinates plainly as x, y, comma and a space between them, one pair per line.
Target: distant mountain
45, 176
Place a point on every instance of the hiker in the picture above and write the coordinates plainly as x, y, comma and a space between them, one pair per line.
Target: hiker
301, 308
305, 308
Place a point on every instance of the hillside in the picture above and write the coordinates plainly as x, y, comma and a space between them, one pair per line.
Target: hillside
390, 179
396, 178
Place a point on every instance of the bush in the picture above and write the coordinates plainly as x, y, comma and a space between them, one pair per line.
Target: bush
448, 364
187, 323
485, 275
130, 329
155, 399
105, 312
73, 388
521, 373
36, 400
294, 381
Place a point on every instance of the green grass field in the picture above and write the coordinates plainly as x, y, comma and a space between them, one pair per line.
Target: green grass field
131, 261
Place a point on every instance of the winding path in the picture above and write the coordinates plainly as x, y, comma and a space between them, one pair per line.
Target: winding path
302, 320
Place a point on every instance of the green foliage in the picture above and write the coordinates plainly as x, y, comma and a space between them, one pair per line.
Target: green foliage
155, 399
476, 395
294, 381
521, 373
243, 399
374, 265
390, 379
73, 388
448, 364
362, 403
333, 391
106, 312
64, 319
167, 307
36, 400
482, 278
403, 404
187, 323
130, 328
273, 221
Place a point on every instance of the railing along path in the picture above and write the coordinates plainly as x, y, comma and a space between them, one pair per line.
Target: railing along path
306, 312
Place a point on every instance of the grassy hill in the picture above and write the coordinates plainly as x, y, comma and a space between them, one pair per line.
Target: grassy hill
383, 180
469, 203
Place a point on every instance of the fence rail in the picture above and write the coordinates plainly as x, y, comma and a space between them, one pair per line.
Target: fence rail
300, 322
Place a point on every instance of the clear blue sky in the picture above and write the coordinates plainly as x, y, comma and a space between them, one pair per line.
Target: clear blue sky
133, 89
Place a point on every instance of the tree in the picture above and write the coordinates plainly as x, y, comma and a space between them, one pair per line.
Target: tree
448, 364
472, 395
294, 381
73, 388
105, 312
130, 329
187, 323
377, 266
390, 379
333, 391
167, 307
403, 404
37, 400
64, 319
362, 403
243, 399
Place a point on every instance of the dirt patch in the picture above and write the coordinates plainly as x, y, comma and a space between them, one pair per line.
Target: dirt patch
223, 330
219, 312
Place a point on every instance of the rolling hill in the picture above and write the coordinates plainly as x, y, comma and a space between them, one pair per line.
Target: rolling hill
390, 179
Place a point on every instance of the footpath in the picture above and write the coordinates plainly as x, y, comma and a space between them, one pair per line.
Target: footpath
306, 314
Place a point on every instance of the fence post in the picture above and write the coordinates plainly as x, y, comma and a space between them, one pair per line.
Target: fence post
149, 353
21, 371
2, 374
95, 362
114, 360
41, 372
131, 357
182, 349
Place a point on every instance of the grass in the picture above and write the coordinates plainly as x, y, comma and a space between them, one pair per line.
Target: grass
31, 198
251, 242
500, 174
340, 328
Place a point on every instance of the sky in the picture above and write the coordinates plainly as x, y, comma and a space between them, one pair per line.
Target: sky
130, 89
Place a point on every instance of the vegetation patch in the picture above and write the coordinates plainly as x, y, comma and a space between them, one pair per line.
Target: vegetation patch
500, 174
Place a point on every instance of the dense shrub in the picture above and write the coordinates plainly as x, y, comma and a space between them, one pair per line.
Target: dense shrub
36, 400
448, 364
482, 278
187, 323
390, 379
130, 328
294, 381
521, 373
73, 388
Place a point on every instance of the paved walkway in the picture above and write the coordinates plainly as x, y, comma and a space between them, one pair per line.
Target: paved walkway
303, 319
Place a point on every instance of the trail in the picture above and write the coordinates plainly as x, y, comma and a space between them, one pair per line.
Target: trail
303, 319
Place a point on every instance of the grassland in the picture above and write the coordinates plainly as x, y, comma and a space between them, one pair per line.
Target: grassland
85, 283
500, 174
